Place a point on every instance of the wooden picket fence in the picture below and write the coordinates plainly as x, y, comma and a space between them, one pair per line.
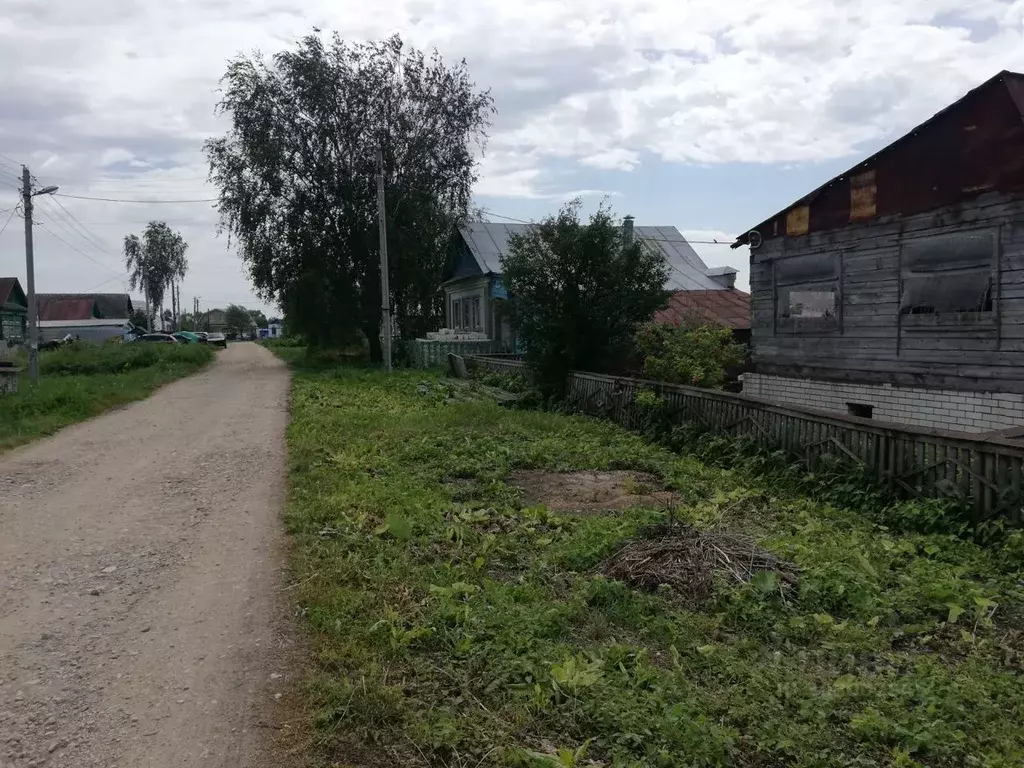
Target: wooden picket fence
914, 462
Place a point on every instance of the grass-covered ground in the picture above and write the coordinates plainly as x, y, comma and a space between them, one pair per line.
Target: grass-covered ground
453, 625
82, 381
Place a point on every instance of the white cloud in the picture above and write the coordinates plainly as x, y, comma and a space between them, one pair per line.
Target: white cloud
578, 85
618, 159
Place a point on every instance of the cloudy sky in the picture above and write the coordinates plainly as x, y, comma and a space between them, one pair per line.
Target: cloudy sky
705, 114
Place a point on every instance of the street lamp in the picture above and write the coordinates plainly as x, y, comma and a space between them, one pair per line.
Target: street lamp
33, 333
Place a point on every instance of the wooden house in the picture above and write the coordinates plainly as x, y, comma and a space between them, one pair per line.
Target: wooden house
896, 290
13, 310
474, 292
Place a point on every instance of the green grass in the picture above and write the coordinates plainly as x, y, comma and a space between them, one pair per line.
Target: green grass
82, 381
452, 625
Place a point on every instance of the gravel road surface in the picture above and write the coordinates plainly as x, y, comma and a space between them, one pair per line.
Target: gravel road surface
141, 558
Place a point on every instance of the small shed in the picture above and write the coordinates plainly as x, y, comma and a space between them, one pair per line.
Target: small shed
13, 310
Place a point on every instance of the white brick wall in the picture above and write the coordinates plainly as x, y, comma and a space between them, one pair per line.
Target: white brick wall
935, 408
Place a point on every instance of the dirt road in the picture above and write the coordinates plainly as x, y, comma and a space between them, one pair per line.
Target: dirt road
140, 579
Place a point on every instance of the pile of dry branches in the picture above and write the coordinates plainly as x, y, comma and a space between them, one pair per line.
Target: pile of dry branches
687, 560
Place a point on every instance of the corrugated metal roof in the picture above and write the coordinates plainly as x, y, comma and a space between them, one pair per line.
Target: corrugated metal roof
488, 241
65, 309
727, 307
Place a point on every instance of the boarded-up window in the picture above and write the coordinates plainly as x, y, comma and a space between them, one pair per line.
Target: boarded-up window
807, 293
951, 276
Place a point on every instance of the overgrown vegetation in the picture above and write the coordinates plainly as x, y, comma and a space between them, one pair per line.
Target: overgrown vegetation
455, 625
83, 380
696, 354
580, 291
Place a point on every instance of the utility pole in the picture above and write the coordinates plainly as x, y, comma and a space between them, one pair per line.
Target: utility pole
30, 270
30, 277
385, 289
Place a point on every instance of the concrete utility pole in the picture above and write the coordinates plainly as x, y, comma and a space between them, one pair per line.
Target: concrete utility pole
30, 269
385, 289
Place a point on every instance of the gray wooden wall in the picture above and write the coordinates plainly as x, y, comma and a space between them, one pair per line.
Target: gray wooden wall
872, 342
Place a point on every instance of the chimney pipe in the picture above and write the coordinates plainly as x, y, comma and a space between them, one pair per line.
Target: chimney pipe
627, 230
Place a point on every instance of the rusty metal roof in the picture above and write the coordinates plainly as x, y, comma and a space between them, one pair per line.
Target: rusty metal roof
728, 307
974, 145
66, 309
108, 305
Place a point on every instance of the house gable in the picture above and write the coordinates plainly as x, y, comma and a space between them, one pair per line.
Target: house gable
972, 147
12, 297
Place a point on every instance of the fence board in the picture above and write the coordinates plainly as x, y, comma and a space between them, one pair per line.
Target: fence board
912, 461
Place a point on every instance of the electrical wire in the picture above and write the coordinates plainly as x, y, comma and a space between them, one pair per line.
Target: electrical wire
69, 231
640, 237
145, 202
78, 250
4, 227
89, 237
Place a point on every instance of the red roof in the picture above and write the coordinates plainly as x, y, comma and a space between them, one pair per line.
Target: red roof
728, 307
66, 309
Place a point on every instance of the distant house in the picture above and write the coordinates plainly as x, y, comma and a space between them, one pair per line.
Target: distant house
86, 316
13, 310
896, 290
474, 293
214, 321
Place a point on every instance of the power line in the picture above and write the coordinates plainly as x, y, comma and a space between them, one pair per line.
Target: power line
145, 202
78, 250
70, 232
85, 232
8, 220
684, 241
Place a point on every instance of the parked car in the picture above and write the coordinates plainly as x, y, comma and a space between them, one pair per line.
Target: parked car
187, 337
159, 338
217, 339
203, 336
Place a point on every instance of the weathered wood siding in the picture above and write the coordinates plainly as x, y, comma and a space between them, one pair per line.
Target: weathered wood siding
988, 474
870, 342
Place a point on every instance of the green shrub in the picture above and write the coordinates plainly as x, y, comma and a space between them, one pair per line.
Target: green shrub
694, 354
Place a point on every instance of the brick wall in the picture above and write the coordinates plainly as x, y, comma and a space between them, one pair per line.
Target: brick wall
936, 408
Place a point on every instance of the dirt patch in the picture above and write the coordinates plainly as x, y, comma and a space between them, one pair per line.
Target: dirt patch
687, 560
591, 492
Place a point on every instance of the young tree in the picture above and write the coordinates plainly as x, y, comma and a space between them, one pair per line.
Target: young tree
297, 178
237, 319
154, 262
138, 319
258, 318
579, 291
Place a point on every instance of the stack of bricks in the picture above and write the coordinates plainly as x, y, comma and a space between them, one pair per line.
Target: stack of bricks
947, 409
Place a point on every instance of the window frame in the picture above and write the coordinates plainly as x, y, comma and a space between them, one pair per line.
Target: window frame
984, 320
821, 282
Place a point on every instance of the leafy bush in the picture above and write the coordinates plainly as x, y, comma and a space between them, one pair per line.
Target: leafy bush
695, 354
580, 290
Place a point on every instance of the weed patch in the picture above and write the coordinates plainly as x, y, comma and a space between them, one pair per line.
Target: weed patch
456, 623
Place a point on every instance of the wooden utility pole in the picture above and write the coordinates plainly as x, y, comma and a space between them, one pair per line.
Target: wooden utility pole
30, 277
385, 289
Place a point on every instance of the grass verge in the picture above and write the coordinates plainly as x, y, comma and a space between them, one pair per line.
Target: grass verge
80, 382
453, 624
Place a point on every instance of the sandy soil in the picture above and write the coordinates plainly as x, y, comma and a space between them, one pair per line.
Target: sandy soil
141, 600
590, 492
